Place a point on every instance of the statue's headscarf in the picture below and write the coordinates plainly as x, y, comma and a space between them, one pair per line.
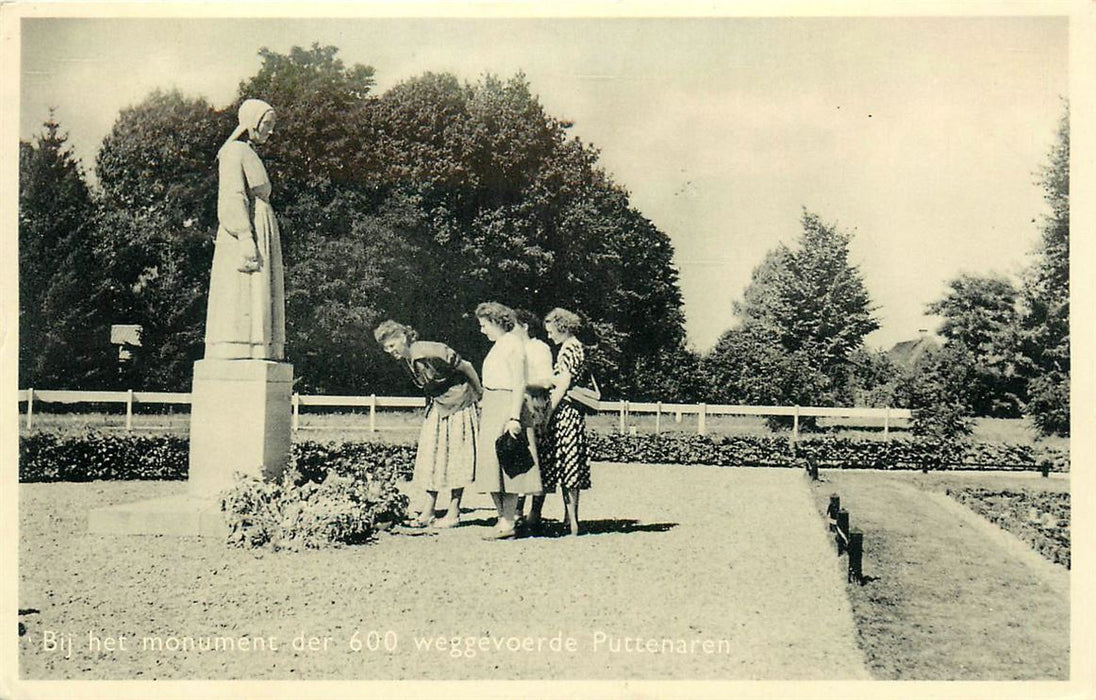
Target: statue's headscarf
251, 112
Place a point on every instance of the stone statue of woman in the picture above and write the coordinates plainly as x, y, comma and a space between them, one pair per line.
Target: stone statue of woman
245, 318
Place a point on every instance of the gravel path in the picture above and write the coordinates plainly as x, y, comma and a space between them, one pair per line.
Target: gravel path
684, 573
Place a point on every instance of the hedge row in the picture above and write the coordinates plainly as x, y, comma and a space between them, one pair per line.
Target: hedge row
832, 452
88, 456
91, 456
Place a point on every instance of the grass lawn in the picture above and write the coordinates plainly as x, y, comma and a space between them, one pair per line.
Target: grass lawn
948, 597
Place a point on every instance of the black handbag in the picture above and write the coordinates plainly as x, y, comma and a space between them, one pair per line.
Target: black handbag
586, 399
513, 453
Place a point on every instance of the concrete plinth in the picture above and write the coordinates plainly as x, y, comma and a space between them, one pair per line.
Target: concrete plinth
240, 421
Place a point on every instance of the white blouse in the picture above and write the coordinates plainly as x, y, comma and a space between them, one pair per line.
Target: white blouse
538, 363
499, 365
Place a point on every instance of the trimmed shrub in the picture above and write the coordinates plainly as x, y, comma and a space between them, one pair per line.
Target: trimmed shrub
832, 452
90, 455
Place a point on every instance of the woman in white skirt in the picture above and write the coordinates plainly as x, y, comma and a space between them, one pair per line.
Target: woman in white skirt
447, 451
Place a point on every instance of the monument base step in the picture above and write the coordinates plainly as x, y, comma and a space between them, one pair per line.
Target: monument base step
184, 515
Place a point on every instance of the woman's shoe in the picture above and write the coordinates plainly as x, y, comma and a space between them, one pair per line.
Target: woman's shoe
497, 534
447, 522
421, 521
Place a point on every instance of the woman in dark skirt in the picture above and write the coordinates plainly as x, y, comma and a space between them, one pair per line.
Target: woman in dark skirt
566, 461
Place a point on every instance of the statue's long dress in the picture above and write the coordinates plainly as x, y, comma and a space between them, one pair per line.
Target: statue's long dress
245, 318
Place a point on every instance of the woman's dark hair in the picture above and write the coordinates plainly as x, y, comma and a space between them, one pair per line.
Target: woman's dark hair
498, 314
532, 323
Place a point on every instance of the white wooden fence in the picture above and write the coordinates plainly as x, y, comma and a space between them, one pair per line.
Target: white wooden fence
624, 409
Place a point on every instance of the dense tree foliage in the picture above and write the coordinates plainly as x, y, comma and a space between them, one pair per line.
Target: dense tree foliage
980, 317
155, 227
416, 204
64, 334
438, 194
1045, 297
803, 315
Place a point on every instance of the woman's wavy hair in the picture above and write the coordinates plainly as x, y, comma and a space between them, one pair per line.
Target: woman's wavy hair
532, 322
566, 321
498, 314
389, 328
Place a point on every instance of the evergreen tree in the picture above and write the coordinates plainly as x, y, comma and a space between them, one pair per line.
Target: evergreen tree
64, 332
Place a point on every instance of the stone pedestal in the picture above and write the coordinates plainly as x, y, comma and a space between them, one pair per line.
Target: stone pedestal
240, 421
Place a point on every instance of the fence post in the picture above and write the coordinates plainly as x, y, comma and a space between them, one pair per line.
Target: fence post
886, 424
856, 556
832, 511
658, 418
702, 420
795, 425
296, 411
372, 413
677, 416
129, 410
30, 408
842, 531
623, 412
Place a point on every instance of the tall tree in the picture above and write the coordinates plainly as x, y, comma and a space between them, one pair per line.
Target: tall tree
1045, 296
804, 313
159, 160
64, 334
416, 204
158, 172
980, 315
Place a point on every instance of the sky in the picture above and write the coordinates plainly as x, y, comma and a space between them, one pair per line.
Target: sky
922, 137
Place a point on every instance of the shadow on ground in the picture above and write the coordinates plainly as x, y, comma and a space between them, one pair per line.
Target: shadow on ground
610, 526
548, 528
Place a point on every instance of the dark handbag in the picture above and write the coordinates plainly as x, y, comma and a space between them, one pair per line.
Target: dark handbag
513, 453
586, 399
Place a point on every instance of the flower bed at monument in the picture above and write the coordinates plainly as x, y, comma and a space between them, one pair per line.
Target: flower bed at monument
350, 504
91, 455
1042, 519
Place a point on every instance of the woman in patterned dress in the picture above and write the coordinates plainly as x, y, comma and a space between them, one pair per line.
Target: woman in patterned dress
445, 459
566, 462
503, 403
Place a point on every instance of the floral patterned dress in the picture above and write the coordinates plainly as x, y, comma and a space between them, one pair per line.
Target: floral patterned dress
566, 461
